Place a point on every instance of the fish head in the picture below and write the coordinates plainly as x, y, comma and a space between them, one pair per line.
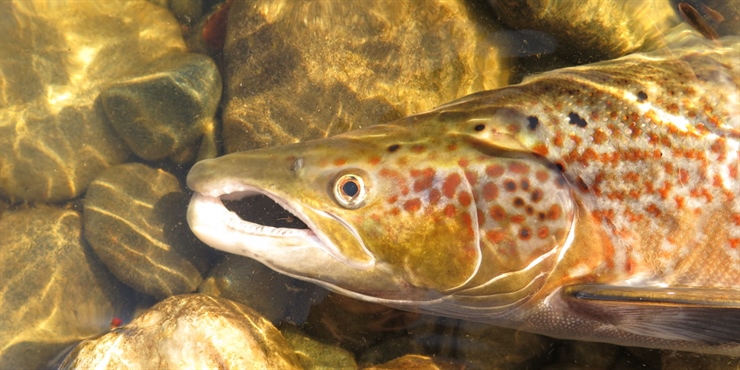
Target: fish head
393, 213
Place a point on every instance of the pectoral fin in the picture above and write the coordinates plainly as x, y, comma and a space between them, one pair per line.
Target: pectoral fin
708, 316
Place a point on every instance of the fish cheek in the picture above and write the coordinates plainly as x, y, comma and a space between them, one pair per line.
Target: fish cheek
432, 247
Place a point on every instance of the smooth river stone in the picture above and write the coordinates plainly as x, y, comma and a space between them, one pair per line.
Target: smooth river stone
590, 30
417, 362
135, 221
275, 296
315, 355
54, 291
190, 331
55, 58
475, 345
303, 70
167, 107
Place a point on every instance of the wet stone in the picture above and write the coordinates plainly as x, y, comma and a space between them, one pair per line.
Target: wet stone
277, 297
54, 291
189, 331
55, 58
474, 345
135, 221
299, 71
314, 354
417, 362
594, 29
167, 107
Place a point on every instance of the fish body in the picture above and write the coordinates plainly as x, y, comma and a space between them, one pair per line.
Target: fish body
597, 202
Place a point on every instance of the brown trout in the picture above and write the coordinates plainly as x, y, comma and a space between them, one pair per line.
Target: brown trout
596, 203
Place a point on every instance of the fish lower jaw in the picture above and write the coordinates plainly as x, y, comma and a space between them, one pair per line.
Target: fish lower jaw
215, 225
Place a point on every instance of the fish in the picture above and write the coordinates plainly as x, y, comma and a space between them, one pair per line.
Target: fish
596, 202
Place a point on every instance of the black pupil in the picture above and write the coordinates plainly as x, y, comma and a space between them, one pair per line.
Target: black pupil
350, 188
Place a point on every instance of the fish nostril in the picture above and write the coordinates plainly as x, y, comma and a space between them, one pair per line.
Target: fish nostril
260, 209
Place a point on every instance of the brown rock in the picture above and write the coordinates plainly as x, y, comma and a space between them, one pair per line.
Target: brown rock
135, 221
193, 331
53, 289
299, 71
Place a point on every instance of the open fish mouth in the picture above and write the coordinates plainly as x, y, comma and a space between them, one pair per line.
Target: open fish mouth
245, 220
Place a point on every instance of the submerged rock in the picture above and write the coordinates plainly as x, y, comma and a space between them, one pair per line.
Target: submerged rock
56, 58
167, 107
135, 221
314, 354
275, 296
54, 291
298, 71
591, 30
193, 331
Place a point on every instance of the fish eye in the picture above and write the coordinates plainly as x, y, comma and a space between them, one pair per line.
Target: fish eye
349, 190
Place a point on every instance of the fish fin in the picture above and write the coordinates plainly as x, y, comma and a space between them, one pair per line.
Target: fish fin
708, 316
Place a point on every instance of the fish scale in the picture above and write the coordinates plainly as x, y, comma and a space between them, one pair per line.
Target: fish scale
595, 202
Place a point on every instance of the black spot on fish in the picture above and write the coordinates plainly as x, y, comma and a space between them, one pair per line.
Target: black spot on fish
641, 96
536, 195
533, 122
510, 185
518, 202
479, 127
525, 184
575, 119
393, 148
525, 233
560, 166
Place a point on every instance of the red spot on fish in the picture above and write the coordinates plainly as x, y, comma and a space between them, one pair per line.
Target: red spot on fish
451, 147
519, 168
412, 205
463, 162
653, 210
683, 176
554, 212
665, 191
490, 191
424, 180
495, 170
395, 211
495, 236
374, 160
542, 175
481, 216
599, 137
517, 219
541, 149
450, 211
340, 162
450, 185
434, 196
543, 232
392, 199
497, 213
717, 181
418, 148
465, 198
